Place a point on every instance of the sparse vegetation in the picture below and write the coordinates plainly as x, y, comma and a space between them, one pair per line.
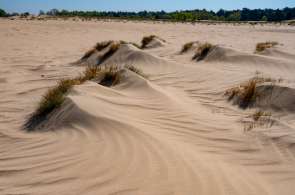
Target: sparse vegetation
202, 51
146, 40
112, 49
88, 54
263, 46
102, 45
112, 46
246, 94
259, 119
136, 70
186, 47
55, 96
111, 76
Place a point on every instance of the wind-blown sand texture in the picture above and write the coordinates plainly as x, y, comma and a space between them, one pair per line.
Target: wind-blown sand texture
174, 132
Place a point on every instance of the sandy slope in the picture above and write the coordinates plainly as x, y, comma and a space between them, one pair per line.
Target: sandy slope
173, 133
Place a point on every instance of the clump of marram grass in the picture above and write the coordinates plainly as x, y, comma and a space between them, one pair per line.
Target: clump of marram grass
202, 51
259, 119
111, 76
136, 70
148, 39
260, 47
102, 45
88, 53
112, 49
246, 94
55, 96
186, 47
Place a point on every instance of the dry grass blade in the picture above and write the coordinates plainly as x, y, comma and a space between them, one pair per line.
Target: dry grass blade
202, 51
263, 46
102, 45
136, 70
111, 76
146, 40
259, 119
55, 96
186, 47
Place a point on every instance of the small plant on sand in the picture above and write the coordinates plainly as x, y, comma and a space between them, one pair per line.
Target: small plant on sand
112, 49
246, 94
55, 96
186, 47
202, 51
111, 76
102, 45
260, 47
259, 119
136, 70
146, 40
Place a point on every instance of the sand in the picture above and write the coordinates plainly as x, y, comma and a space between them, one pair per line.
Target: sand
171, 133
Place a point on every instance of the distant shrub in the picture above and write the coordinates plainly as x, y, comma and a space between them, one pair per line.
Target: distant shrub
202, 51
263, 46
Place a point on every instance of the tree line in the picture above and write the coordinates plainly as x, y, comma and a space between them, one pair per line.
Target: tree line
185, 15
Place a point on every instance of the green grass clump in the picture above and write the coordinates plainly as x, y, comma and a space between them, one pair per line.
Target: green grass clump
260, 47
202, 51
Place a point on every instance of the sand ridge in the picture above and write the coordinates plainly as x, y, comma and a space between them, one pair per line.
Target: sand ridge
173, 132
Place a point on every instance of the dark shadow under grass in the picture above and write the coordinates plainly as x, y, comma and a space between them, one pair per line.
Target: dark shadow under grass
55, 97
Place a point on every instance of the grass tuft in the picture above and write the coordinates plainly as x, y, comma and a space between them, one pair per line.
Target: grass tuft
246, 93
111, 76
136, 70
88, 54
186, 47
259, 119
202, 51
146, 40
55, 96
260, 47
102, 45
112, 49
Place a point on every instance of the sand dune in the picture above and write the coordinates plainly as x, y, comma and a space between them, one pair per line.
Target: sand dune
172, 132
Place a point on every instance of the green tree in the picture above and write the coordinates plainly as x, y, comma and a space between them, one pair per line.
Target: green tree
264, 18
2, 13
